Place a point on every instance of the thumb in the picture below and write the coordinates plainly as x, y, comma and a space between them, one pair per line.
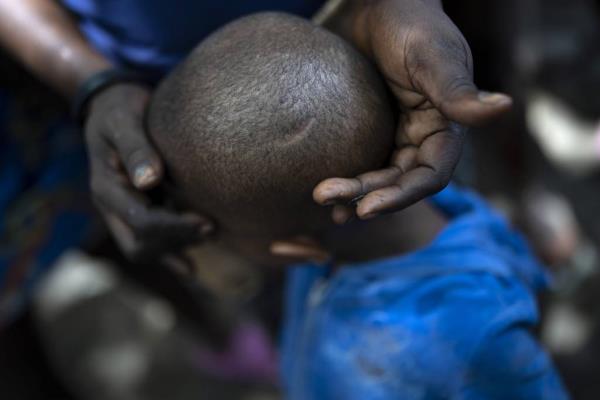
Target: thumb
142, 162
448, 83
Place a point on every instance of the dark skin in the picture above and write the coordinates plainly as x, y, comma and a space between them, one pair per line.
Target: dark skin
355, 242
420, 52
142, 230
428, 66
123, 163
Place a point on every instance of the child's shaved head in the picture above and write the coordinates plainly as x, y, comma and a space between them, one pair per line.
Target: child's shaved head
259, 114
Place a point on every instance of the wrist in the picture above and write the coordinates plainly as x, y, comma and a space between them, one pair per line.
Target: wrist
89, 93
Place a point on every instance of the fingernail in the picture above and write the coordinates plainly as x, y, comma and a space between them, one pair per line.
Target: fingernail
144, 175
495, 99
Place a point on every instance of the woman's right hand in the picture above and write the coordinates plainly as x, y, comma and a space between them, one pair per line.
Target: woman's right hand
45, 37
123, 165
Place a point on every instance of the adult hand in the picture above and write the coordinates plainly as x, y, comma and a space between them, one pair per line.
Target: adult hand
123, 165
428, 66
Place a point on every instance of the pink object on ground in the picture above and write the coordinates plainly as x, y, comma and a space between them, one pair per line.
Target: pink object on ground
250, 356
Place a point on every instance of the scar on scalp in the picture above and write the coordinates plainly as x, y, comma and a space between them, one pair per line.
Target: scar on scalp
298, 134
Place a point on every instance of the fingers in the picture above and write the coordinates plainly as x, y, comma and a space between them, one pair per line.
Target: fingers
347, 190
412, 187
473, 108
417, 171
138, 228
117, 118
154, 234
438, 157
117, 141
142, 163
125, 131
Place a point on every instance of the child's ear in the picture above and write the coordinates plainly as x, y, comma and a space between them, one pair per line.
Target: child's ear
302, 248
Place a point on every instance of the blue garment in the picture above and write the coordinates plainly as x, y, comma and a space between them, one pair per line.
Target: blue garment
447, 322
156, 34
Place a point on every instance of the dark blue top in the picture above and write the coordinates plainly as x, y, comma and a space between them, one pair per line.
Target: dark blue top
156, 34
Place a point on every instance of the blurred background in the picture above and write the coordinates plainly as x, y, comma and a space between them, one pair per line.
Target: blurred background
91, 325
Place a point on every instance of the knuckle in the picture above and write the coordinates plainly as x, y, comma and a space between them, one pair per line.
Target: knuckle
457, 84
117, 122
133, 156
119, 115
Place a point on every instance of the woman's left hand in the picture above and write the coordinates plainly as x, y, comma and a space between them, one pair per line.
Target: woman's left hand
428, 66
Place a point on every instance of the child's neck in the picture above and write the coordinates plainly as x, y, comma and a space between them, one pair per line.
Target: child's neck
386, 236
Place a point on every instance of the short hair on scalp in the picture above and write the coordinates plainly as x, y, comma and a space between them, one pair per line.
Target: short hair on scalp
259, 113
